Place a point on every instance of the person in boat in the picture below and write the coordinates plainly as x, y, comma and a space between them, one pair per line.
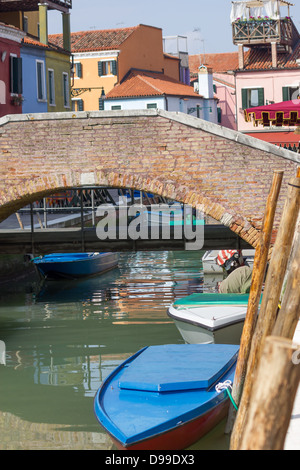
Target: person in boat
239, 273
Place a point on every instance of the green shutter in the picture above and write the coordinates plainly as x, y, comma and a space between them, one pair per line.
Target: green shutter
219, 110
244, 98
100, 68
114, 67
80, 105
101, 104
79, 70
285, 93
16, 68
261, 96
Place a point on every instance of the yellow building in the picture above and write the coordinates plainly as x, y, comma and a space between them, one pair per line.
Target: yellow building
103, 58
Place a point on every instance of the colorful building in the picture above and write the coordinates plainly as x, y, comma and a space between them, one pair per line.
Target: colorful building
269, 70
101, 59
11, 76
148, 90
223, 66
42, 68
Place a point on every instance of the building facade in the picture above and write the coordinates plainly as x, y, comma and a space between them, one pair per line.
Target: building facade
11, 75
40, 70
101, 59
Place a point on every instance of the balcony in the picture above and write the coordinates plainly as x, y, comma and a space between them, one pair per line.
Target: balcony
33, 5
255, 32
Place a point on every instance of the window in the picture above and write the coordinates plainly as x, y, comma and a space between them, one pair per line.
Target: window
25, 24
51, 83
101, 104
151, 105
16, 84
40, 80
79, 105
107, 67
252, 97
78, 69
219, 111
290, 92
66, 90
116, 107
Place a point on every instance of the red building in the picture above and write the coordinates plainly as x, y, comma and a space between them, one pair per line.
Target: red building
10, 70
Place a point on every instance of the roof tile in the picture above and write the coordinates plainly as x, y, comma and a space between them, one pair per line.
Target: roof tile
84, 41
139, 83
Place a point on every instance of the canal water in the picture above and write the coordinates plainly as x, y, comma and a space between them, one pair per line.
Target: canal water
63, 338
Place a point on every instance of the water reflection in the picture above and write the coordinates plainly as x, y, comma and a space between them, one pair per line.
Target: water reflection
63, 338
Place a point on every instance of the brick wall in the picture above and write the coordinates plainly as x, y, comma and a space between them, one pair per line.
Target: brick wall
225, 173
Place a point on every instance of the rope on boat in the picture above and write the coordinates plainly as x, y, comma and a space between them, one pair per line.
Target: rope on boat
226, 386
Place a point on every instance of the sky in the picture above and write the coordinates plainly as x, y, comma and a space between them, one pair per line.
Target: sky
205, 23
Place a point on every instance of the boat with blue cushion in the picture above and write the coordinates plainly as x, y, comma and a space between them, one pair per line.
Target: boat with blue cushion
74, 265
166, 397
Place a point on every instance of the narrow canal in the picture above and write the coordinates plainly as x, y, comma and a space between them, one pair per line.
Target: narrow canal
63, 338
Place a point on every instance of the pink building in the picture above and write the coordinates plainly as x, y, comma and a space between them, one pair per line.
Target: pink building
269, 70
223, 66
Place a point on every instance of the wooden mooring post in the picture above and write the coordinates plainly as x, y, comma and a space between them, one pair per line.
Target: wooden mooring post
269, 306
289, 313
273, 395
259, 269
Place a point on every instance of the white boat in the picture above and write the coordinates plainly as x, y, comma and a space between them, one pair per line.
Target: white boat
209, 261
210, 318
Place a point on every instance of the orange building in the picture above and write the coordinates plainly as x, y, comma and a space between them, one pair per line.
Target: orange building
102, 59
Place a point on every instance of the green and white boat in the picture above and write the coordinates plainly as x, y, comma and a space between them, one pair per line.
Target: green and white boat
210, 318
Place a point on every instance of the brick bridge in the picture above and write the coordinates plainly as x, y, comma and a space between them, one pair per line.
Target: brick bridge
174, 155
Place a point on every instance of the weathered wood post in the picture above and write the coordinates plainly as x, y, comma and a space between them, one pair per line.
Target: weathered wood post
289, 313
259, 269
273, 395
270, 300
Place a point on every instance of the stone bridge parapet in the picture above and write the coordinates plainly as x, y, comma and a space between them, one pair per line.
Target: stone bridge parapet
225, 173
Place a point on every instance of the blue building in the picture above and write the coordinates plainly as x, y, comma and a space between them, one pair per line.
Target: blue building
34, 79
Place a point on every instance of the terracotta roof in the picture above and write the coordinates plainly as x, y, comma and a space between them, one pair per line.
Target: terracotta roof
84, 41
140, 83
221, 62
261, 59
32, 41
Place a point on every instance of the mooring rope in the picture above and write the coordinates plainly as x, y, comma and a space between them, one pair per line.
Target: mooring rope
226, 386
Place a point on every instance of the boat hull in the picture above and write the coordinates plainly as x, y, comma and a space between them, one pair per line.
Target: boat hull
182, 436
75, 266
197, 334
165, 397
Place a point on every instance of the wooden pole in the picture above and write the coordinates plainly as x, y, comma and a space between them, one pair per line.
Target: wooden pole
259, 269
269, 306
289, 313
273, 396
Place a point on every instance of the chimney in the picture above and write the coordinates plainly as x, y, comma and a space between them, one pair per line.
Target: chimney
43, 20
274, 54
241, 56
205, 80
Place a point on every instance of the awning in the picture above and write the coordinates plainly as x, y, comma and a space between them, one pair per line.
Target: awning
286, 113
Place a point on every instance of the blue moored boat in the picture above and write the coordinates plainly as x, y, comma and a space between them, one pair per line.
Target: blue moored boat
74, 265
165, 397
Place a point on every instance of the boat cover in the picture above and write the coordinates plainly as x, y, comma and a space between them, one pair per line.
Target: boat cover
169, 368
212, 299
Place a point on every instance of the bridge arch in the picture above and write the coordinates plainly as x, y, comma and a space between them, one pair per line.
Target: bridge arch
223, 172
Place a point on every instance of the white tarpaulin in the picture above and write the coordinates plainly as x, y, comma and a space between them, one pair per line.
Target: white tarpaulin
244, 9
